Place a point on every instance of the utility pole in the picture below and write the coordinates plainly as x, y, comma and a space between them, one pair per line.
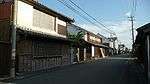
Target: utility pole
131, 18
13, 39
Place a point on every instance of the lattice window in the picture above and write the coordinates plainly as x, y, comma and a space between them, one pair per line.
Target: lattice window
62, 30
46, 49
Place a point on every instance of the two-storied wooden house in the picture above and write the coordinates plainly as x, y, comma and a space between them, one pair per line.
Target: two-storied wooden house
32, 37
93, 44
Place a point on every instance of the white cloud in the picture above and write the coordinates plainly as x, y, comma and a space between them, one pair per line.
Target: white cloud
128, 14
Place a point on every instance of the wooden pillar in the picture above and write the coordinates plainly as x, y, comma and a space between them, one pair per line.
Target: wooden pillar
72, 55
56, 25
78, 55
84, 54
102, 52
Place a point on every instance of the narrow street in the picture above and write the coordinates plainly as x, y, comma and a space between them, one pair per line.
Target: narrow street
102, 71
74, 42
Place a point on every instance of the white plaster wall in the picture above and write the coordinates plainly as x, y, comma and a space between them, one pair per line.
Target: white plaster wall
116, 45
61, 22
95, 39
92, 38
111, 44
43, 20
24, 14
84, 54
85, 37
92, 51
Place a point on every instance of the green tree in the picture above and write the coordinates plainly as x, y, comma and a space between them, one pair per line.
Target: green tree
76, 42
76, 39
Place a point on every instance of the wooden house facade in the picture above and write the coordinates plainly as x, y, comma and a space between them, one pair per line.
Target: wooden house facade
41, 37
93, 44
142, 48
5, 38
109, 49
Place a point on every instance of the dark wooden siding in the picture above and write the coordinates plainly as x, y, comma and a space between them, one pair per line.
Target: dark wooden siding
88, 53
35, 55
4, 58
5, 11
97, 52
4, 31
5, 47
81, 54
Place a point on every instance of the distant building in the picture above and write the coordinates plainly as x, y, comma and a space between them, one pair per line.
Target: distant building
114, 44
121, 48
111, 43
104, 39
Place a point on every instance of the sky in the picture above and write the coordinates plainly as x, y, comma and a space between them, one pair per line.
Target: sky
112, 13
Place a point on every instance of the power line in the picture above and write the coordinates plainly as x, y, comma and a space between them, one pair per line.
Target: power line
84, 17
74, 10
134, 7
91, 16
124, 31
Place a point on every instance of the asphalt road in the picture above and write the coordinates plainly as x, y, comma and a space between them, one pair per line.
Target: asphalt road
102, 71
